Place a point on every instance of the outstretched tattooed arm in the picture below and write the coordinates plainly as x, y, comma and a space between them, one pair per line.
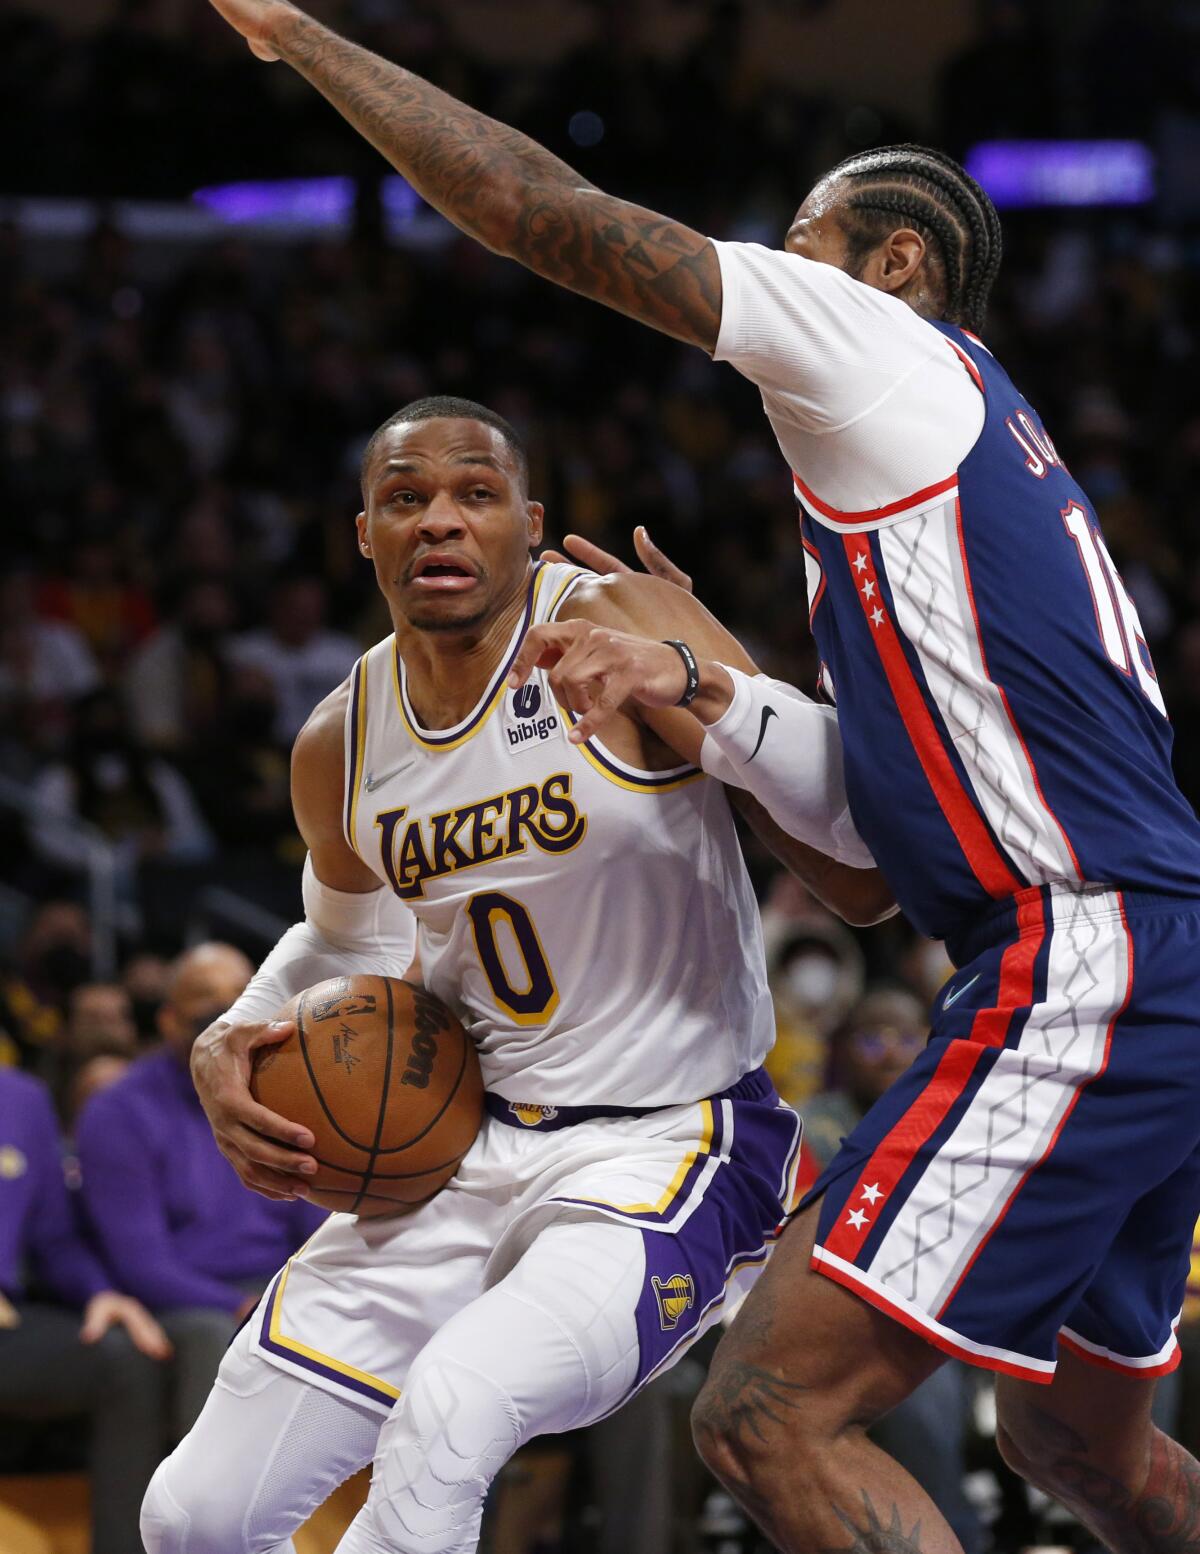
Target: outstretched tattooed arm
499, 186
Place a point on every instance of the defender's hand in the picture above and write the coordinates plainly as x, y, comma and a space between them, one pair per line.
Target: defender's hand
594, 671
266, 1151
605, 563
255, 20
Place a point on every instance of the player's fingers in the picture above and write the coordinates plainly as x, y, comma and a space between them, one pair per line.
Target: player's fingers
656, 562
609, 699
593, 556
260, 1178
242, 1110
260, 1145
568, 691
542, 647
244, 1039
576, 678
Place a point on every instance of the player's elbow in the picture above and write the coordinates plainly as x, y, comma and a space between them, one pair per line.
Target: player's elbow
862, 898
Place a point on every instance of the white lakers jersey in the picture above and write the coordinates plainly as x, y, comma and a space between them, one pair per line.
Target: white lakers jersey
592, 925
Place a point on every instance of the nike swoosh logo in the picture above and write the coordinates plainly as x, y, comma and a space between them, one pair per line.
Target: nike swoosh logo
952, 998
767, 713
371, 783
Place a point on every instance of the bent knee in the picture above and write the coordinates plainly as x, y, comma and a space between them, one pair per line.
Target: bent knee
1035, 1455
175, 1520
451, 1433
1015, 1454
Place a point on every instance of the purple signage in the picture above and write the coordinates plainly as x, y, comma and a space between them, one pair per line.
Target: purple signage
1019, 173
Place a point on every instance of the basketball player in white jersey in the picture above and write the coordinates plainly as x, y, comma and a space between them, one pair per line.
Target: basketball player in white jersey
584, 909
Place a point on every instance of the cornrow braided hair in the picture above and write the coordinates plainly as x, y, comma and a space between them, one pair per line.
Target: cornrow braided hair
941, 201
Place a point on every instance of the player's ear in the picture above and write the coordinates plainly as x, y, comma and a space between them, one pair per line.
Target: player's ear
535, 517
897, 260
360, 524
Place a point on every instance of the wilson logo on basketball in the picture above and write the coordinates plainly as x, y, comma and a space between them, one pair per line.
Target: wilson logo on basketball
429, 1020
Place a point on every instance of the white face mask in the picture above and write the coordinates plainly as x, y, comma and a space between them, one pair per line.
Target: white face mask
811, 980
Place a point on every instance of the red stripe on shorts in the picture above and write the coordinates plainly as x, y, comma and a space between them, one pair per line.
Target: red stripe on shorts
897, 1150
1016, 974
1062, 1121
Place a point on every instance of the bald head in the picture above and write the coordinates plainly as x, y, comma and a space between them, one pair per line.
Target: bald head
204, 981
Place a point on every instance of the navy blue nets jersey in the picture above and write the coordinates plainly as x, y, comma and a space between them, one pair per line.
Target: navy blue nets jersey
1002, 722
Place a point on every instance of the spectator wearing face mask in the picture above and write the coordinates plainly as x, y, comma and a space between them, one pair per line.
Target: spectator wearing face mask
175, 1226
54, 959
879, 1038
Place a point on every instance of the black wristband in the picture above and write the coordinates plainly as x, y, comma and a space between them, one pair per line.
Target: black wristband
693, 671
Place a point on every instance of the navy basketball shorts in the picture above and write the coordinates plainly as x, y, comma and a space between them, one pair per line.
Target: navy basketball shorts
1032, 1183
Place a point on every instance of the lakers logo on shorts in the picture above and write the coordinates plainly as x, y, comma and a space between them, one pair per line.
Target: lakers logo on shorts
530, 1113
12, 1163
674, 1296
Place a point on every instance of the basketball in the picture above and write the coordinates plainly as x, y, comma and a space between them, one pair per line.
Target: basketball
388, 1082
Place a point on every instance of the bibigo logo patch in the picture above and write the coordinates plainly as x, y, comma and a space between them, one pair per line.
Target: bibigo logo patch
529, 726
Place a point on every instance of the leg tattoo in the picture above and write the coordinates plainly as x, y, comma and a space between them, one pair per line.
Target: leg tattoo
1162, 1517
746, 1400
873, 1537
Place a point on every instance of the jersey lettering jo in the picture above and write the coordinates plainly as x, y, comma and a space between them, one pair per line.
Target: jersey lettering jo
592, 925
1002, 723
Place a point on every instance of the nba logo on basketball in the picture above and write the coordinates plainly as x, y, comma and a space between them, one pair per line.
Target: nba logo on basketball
526, 704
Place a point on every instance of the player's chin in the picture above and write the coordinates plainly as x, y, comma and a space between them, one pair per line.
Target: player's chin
452, 613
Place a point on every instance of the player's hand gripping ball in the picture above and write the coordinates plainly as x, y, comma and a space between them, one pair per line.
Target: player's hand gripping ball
387, 1081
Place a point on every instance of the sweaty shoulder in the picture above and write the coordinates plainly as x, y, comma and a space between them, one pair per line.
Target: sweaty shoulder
623, 600
651, 607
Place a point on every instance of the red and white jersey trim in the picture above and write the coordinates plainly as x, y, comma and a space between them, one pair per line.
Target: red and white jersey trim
879, 517
975, 375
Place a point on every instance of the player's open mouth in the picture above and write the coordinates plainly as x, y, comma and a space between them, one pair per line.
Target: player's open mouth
443, 574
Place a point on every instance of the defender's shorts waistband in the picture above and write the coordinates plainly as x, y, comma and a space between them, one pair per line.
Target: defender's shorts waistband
1002, 922
541, 1117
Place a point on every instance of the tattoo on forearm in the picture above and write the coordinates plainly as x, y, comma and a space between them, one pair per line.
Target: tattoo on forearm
513, 195
870, 1536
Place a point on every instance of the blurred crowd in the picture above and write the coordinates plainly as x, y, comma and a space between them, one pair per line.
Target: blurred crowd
180, 431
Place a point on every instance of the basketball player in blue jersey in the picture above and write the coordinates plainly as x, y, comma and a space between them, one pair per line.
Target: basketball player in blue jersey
1024, 1197
583, 907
